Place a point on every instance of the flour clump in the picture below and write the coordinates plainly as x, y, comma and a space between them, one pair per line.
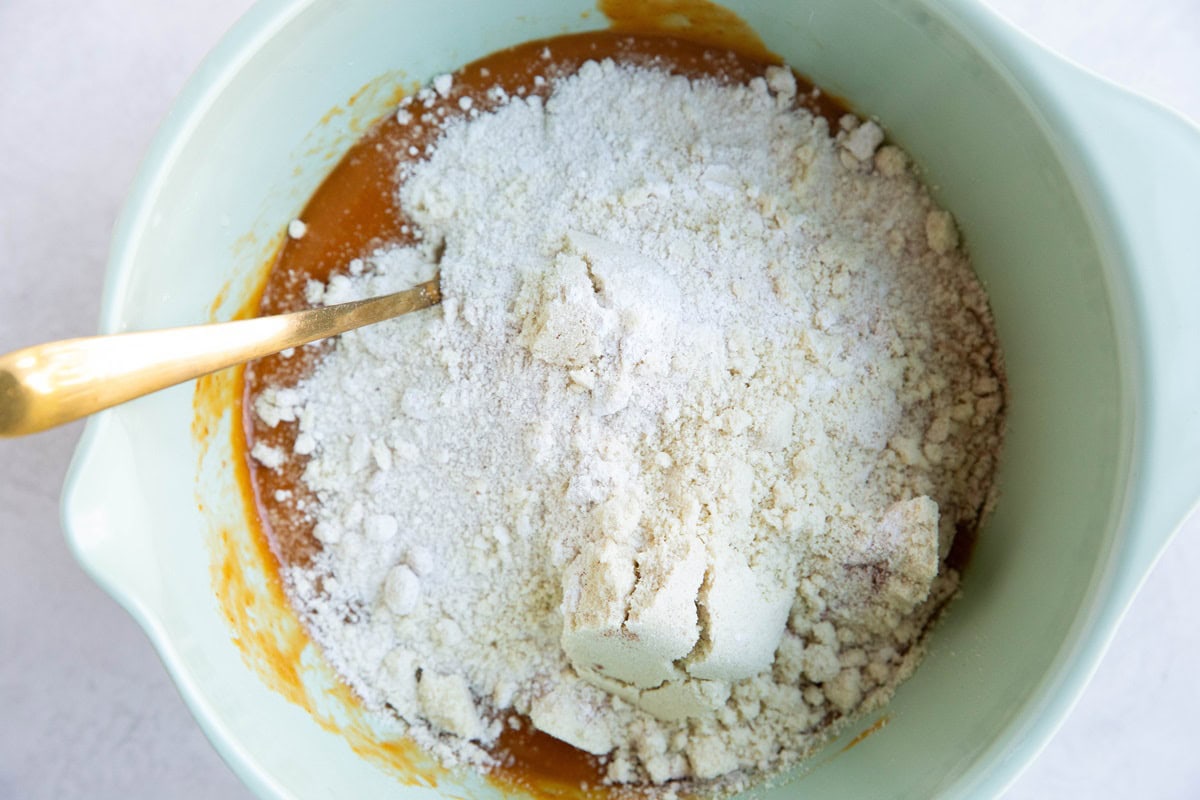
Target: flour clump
673, 472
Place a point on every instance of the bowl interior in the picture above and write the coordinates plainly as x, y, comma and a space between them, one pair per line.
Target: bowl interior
253, 137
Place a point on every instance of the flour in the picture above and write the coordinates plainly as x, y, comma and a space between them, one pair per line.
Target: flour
673, 470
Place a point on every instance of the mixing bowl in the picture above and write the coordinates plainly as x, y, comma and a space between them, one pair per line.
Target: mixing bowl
1075, 198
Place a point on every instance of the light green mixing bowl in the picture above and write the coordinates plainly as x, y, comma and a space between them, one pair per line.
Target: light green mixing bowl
1075, 198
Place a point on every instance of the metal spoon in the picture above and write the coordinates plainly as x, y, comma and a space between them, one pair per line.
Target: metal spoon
58, 382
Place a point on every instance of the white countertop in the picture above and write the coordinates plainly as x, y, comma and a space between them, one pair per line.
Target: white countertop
86, 708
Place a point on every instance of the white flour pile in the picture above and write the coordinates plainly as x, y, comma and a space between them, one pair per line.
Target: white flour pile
672, 470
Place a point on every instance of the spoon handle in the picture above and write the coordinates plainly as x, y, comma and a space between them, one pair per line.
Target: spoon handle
58, 382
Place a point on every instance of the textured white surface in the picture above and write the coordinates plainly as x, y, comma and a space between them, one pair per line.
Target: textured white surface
88, 710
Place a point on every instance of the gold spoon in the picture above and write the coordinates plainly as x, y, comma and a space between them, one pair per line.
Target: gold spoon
58, 382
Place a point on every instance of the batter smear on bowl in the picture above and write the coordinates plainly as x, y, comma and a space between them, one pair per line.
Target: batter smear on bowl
676, 471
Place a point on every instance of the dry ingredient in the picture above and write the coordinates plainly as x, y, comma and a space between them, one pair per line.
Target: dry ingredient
674, 469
